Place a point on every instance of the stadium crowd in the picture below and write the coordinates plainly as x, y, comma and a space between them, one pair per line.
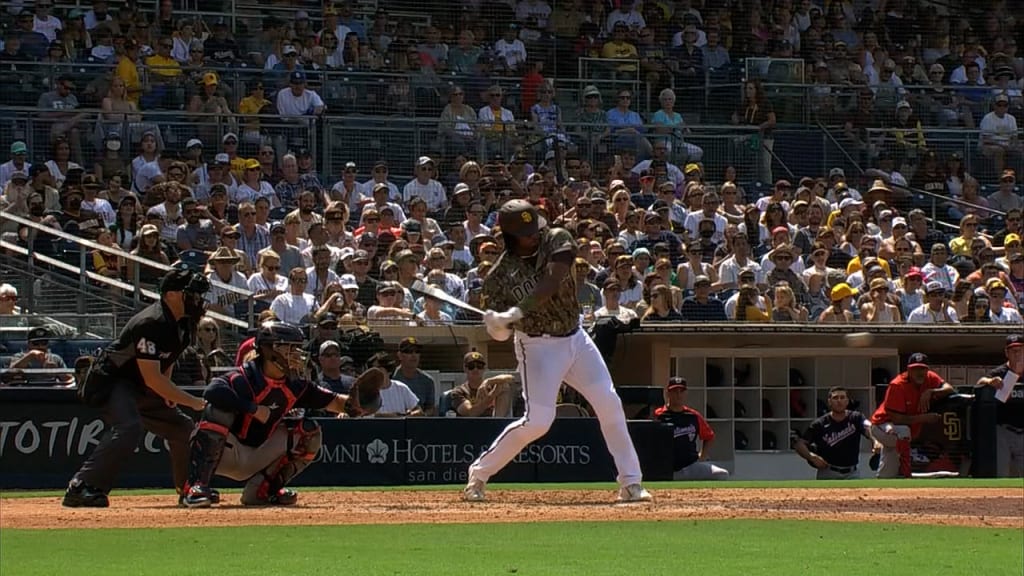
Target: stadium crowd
661, 237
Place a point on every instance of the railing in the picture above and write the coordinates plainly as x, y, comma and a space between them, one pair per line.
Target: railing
87, 279
64, 325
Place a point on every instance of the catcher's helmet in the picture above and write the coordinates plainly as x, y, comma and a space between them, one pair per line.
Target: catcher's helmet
271, 333
520, 218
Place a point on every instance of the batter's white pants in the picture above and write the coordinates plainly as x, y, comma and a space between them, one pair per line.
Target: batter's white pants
544, 363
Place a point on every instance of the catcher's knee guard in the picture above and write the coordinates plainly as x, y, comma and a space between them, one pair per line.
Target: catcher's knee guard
304, 440
206, 446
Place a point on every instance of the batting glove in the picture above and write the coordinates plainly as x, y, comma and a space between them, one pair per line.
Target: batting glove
498, 322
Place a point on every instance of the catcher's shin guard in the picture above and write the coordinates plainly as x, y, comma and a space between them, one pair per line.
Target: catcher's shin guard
304, 441
207, 446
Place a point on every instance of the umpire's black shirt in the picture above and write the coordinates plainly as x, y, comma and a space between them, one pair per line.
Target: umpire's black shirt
152, 334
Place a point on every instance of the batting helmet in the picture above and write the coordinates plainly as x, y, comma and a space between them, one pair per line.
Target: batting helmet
520, 218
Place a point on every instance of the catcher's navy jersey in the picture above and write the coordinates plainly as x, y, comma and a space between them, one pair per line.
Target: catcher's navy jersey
252, 388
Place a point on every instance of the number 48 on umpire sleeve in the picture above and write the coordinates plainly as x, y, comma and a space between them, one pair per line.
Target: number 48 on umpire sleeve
146, 347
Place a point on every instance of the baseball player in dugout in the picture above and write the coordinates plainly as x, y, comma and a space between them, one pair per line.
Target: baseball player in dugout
688, 425
254, 428
1008, 378
530, 293
900, 416
831, 444
130, 383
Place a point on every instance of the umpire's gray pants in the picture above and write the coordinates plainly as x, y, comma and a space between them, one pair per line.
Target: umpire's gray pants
128, 413
1009, 452
701, 471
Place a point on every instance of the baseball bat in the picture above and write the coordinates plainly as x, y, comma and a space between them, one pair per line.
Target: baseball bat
425, 289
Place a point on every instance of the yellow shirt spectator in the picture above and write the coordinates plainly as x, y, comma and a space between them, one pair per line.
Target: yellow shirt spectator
164, 67
129, 72
249, 107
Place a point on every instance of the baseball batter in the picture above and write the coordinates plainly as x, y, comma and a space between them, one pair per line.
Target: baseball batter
1009, 417
831, 444
254, 429
533, 290
899, 417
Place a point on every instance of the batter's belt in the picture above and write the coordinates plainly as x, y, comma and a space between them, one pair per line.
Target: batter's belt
566, 335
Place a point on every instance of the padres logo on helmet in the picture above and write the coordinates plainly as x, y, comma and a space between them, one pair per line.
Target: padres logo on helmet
520, 218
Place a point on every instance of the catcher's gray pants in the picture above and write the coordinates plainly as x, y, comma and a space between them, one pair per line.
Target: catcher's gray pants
701, 471
249, 463
1009, 452
128, 412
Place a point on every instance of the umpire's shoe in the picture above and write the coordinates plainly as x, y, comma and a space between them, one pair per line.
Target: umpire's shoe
199, 497
81, 495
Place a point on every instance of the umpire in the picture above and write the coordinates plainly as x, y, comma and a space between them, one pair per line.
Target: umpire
130, 382
1009, 414
831, 444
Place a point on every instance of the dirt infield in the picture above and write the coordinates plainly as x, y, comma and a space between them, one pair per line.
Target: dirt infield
988, 507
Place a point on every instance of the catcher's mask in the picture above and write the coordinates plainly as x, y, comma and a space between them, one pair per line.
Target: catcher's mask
282, 344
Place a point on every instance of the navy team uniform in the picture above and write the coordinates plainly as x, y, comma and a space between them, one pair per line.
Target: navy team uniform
838, 443
265, 454
688, 425
1009, 430
128, 406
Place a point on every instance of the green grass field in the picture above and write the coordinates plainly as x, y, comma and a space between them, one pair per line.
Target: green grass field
714, 548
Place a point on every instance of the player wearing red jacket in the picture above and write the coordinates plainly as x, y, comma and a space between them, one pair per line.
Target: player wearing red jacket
688, 461
899, 418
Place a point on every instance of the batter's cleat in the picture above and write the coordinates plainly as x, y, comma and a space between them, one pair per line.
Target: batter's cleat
634, 493
84, 496
474, 491
198, 497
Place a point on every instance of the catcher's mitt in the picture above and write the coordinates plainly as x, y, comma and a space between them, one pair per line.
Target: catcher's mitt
364, 396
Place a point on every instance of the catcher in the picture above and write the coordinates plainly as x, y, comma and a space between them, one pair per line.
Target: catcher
254, 429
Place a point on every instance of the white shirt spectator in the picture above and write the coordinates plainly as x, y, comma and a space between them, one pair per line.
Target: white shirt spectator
631, 18
486, 115
289, 104
103, 209
512, 53
397, 399
946, 275
675, 175
481, 231
730, 305
245, 193
693, 220
91, 22
223, 296
729, 271
257, 284
58, 176
443, 320
366, 190
1006, 316
293, 308
101, 52
314, 281
623, 314
7, 169
145, 173
47, 27
433, 192
925, 315
998, 130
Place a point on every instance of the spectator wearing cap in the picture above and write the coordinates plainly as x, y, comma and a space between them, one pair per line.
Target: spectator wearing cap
878, 310
457, 123
509, 50
408, 372
1004, 199
938, 270
14, 199
337, 372
196, 232
215, 179
33, 44
611, 293
347, 190
841, 296
689, 457
1011, 247
379, 176
390, 307
17, 163
425, 186
899, 418
1000, 138
1002, 306
701, 307
935, 310
297, 100
479, 396
209, 107
37, 356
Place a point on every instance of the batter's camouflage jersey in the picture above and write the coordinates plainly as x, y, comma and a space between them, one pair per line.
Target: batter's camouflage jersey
513, 278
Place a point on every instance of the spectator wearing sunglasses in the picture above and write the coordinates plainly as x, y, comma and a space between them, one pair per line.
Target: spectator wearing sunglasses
38, 356
480, 397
